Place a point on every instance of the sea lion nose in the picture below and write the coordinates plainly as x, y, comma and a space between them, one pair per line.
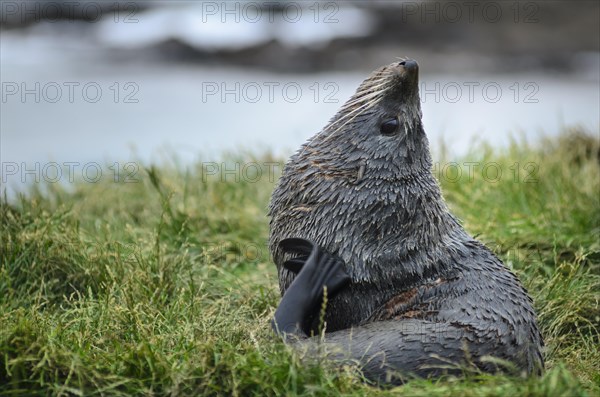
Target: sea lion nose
410, 65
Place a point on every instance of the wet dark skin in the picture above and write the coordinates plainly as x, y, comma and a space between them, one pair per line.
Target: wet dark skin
317, 271
358, 212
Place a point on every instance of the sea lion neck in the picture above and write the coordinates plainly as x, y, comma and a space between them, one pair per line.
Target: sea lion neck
362, 188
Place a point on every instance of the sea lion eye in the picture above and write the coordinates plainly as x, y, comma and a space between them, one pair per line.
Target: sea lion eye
389, 127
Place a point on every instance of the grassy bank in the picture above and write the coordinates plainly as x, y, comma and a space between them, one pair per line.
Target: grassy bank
161, 283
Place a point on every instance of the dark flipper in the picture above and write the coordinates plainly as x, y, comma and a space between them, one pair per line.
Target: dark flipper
318, 271
295, 265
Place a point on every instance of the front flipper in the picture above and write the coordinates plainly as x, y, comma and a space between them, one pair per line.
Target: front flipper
318, 271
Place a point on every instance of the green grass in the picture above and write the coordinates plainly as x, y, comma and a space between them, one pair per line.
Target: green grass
165, 286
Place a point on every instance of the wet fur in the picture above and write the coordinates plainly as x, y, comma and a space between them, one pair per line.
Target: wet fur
423, 291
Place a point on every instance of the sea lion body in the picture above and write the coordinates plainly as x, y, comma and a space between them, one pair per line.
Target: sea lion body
421, 286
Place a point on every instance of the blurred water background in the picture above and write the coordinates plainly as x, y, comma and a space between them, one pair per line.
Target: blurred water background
115, 81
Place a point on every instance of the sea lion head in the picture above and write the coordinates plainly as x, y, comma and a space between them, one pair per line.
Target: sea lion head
380, 125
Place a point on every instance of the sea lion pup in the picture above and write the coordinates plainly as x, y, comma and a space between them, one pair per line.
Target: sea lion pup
409, 290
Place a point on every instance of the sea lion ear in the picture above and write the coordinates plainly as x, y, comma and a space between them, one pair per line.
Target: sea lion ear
297, 245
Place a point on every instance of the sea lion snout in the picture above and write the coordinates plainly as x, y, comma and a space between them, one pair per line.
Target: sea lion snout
410, 65
409, 70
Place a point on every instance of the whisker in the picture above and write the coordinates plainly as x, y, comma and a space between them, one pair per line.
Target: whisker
360, 100
361, 90
366, 104
361, 109
368, 94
